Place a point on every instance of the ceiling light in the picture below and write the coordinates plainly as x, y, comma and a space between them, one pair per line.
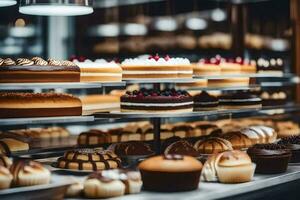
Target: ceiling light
4, 3
196, 23
56, 7
134, 29
218, 15
166, 24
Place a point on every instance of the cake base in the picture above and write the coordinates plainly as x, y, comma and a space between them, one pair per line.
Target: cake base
159, 111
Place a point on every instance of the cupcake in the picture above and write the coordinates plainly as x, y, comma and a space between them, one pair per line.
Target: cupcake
5, 178
292, 143
28, 173
99, 186
270, 158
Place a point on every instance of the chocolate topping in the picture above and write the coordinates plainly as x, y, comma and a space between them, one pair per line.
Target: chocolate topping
290, 140
1, 61
132, 148
24, 62
8, 62
205, 97
67, 63
53, 62
239, 95
182, 147
21, 95
39, 61
173, 157
268, 150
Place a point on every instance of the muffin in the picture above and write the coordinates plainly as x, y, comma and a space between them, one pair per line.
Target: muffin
170, 173
99, 186
292, 143
5, 178
212, 145
28, 173
270, 158
229, 167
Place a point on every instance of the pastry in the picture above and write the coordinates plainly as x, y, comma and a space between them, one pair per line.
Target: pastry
229, 82
182, 147
229, 167
238, 140
99, 186
212, 145
260, 134
157, 101
132, 181
131, 148
287, 128
182, 129
5, 178
28, 173
16, 105
205, 101
74, 190
292, 143
161, 173
10, 145
204, 128
93, 137
167, 142
89, 160
207, 67
273, 98
99, 103
37, 70
42, 133
99, 71
155, 67
270, 158
5, 161
239, 100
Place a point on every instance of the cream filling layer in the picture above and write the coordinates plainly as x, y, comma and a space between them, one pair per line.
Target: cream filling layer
100, 74
156, 104
157, 72
101, 106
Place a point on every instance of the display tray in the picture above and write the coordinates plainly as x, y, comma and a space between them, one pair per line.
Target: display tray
158, 80
28, 86
45, 120
209, 191
55, 189
254, 75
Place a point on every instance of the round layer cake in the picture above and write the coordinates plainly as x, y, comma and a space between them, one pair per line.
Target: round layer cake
89, 159
205, 101
156, 67
207, 67
240, 100
157, 101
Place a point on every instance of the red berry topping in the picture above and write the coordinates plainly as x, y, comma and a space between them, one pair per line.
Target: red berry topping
156, 57
167, 57
81, 59
140, 94
154, 94
150, 57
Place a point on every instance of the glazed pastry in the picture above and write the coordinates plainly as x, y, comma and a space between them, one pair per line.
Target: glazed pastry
74, 190
89, 159
212, 145
5, 178
238, 140
131, 148
260, 134
28, 173
229, 167
9, 145
24, 62
182, 147
8, 62
270, 158
292, 143
5, 161
161, 173
205, 101
99, 186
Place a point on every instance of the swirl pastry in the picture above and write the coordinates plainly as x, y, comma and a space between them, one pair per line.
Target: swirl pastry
24, 62
28, 173
39, 61
89, 159
1, 61
213, 145
53, 62
8, 62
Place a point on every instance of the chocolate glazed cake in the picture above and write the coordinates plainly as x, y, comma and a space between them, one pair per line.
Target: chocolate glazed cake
157, 101
16, 105
38, 70
205, 101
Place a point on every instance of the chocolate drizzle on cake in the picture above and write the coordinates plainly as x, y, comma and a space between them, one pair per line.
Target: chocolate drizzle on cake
53, 62
39, 61
24, 62
8, 62
1, 61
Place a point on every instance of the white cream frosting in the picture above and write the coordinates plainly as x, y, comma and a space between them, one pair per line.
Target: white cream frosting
153, 62
157, 72
96, 64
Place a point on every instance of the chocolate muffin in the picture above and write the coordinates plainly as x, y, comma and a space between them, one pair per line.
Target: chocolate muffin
270, 158
292, 143
205, 101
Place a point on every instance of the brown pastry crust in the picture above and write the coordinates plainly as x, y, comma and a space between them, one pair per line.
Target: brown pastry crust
213, 145
93, 137
238, 140
9, 145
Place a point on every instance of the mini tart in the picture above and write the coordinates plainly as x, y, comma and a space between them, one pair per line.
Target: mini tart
292, 143
98, 186
270, 158
230, 82
207, 67
212, 145
161, 173
239, 100
205, 101
182, 147
28, 173
5, 161
89, 159
238, 140
5, 178
157, 101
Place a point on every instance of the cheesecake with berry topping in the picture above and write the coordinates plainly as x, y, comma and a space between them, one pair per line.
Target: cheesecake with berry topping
169, 100
156, 67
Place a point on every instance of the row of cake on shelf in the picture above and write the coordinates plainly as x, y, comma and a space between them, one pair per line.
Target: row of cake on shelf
24, 70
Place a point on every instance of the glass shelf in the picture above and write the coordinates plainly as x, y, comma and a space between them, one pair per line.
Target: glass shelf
255, 75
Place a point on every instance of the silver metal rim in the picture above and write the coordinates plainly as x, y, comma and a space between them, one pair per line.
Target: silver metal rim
88, 3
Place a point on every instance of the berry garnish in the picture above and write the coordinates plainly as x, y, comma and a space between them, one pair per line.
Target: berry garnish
156, 57
81, 59
135, 92
167, 57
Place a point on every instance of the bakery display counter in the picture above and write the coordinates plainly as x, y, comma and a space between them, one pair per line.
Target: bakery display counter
245, 75
29, 86
208, 191
45, 120
249, 87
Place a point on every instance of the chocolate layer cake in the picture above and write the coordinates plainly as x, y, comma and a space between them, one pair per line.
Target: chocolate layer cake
16, 105
157, 101
240, 100
38, 70
205, 101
